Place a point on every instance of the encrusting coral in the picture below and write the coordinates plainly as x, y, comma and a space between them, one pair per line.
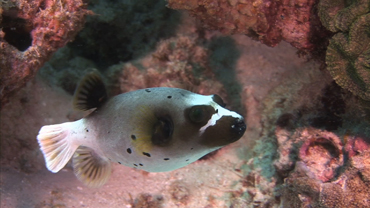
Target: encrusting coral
348, 54
269, 21
325, 187
31, 31
177, 62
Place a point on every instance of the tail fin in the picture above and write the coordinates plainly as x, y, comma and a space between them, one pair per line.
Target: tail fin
56, 145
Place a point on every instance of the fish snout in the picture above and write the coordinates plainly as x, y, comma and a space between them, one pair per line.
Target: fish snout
238, 128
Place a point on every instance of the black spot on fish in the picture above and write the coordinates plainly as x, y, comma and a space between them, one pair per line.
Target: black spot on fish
141, 164
187, 160
182, 94
146, 154
216, 110
87, 130
135, 165
133, 137
166, 159
147, 90
169, 97
119, 162
129, 151
108, 132
191, 148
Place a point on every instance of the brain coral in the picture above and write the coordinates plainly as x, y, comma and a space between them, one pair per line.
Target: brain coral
348, 54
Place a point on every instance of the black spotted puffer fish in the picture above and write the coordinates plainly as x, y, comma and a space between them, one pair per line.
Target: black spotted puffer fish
155, 129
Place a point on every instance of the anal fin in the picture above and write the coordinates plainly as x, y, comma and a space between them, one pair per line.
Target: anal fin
90, 168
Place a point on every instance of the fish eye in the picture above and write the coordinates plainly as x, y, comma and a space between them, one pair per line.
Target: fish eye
217, 99
198, 114
162, 131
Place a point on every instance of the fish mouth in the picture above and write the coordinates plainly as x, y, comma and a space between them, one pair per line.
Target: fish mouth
227, 129
238, 128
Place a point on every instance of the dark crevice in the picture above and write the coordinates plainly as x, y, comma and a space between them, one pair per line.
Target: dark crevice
17, 30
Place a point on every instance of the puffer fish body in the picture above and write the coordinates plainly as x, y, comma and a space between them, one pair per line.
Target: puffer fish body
155, 129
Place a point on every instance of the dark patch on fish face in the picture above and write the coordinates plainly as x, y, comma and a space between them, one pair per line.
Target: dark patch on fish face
162, 131
199, 115
217, 99
227, 130
186, 124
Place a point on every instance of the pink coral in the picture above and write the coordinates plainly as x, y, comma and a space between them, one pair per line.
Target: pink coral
322, 154
49, 24
356, 145
321, 177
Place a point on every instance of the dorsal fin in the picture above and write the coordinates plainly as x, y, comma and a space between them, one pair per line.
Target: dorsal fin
91, 92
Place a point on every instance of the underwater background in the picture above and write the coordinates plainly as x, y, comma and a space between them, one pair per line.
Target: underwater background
298, 71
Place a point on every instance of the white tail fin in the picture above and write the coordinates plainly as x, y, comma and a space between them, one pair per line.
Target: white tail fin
56, 145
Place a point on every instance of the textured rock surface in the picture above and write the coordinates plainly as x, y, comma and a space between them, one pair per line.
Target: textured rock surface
348, 54
178, 62
268, 21
349, 189
119, 31
31, 31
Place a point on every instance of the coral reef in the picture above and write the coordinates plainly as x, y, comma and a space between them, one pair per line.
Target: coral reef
120, 31
268, 21
348, 54
318, 167
31, 31
308, 185
320, 152
322, 143
177, 62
